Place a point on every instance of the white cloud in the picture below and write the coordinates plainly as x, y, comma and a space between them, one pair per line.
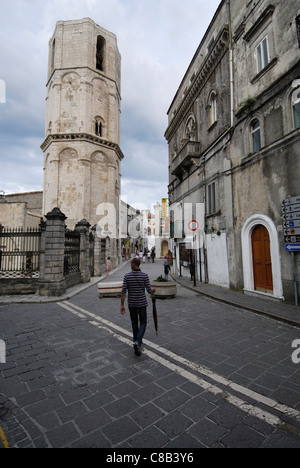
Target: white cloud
142, 194
157, 41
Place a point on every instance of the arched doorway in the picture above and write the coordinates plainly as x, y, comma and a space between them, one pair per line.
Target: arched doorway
262, 263
164, 248
247, 254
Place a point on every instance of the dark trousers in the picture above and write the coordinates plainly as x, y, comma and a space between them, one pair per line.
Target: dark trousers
138, 317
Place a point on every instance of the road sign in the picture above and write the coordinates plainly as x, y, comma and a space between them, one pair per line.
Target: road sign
292, 231
290, 208
292, 247
291, 212
291, 216
291, 201
193, 225
291, 224
292, 239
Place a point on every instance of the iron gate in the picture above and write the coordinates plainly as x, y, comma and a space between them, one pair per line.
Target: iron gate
20, 253
72, 252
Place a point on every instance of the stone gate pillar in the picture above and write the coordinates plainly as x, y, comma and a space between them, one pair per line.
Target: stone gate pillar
52, 281
97, 252
83, 227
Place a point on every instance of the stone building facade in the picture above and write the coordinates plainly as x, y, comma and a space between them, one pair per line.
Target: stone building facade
21, 210
82, 154
233, 135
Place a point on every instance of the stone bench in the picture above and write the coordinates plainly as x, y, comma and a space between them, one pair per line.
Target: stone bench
110, 289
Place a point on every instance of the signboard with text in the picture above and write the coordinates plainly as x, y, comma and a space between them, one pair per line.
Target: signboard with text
164, 208
291, 223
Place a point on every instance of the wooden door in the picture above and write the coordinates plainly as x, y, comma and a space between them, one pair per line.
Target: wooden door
164, 248
262, 263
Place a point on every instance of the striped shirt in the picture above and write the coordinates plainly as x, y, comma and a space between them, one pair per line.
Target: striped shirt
135, 283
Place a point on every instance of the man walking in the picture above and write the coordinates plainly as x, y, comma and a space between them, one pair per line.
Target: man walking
135, 283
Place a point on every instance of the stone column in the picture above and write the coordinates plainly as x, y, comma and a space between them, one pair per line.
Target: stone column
1, 229
97, 253
42, 250
83, 227
52, 281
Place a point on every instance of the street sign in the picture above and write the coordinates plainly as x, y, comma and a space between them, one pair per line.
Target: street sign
291, 224
292, 231
290, 208
292, 247
291, 201
291, 216
292, 239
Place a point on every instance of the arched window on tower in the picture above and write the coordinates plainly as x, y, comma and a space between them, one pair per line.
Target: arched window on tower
98, 128
100, 53
53, 54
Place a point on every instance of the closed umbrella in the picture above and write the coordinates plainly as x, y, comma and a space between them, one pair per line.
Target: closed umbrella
155, 314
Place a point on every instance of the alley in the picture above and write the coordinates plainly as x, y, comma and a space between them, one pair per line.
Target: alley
215, 376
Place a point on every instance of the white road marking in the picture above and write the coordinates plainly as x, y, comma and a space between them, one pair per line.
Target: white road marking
118, 333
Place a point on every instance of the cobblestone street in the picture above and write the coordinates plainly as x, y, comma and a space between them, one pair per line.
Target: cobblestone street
215, 376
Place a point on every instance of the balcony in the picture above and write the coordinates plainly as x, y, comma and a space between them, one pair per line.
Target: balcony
185, 158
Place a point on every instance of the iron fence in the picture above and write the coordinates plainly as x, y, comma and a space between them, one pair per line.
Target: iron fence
72, 252
19, 253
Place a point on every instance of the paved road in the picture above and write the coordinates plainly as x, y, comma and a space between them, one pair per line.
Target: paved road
216, 376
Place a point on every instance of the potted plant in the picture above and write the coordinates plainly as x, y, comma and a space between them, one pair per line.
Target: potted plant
165, 289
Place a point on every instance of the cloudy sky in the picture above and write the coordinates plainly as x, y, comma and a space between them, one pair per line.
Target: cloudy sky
157, 40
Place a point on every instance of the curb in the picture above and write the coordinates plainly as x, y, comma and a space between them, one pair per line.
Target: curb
48, 300
240, 306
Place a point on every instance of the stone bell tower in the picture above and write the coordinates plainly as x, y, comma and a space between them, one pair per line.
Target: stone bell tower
82, 152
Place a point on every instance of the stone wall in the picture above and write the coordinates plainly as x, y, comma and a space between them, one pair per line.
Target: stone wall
53, 280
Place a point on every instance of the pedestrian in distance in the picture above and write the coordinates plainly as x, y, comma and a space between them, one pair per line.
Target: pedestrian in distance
29, 265
166, 267
192, 270
135, 283
153, 255
108, 267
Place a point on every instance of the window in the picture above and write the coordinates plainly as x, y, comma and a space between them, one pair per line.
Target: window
213, 108
256, 136
98, 128
298, 28
211, 198
296, 108
100, 53
53, 54
262, 54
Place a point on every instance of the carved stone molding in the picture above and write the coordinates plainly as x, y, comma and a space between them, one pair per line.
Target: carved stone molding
218, 49
81, 137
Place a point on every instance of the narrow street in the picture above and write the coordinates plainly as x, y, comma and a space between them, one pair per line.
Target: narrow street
215, 376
